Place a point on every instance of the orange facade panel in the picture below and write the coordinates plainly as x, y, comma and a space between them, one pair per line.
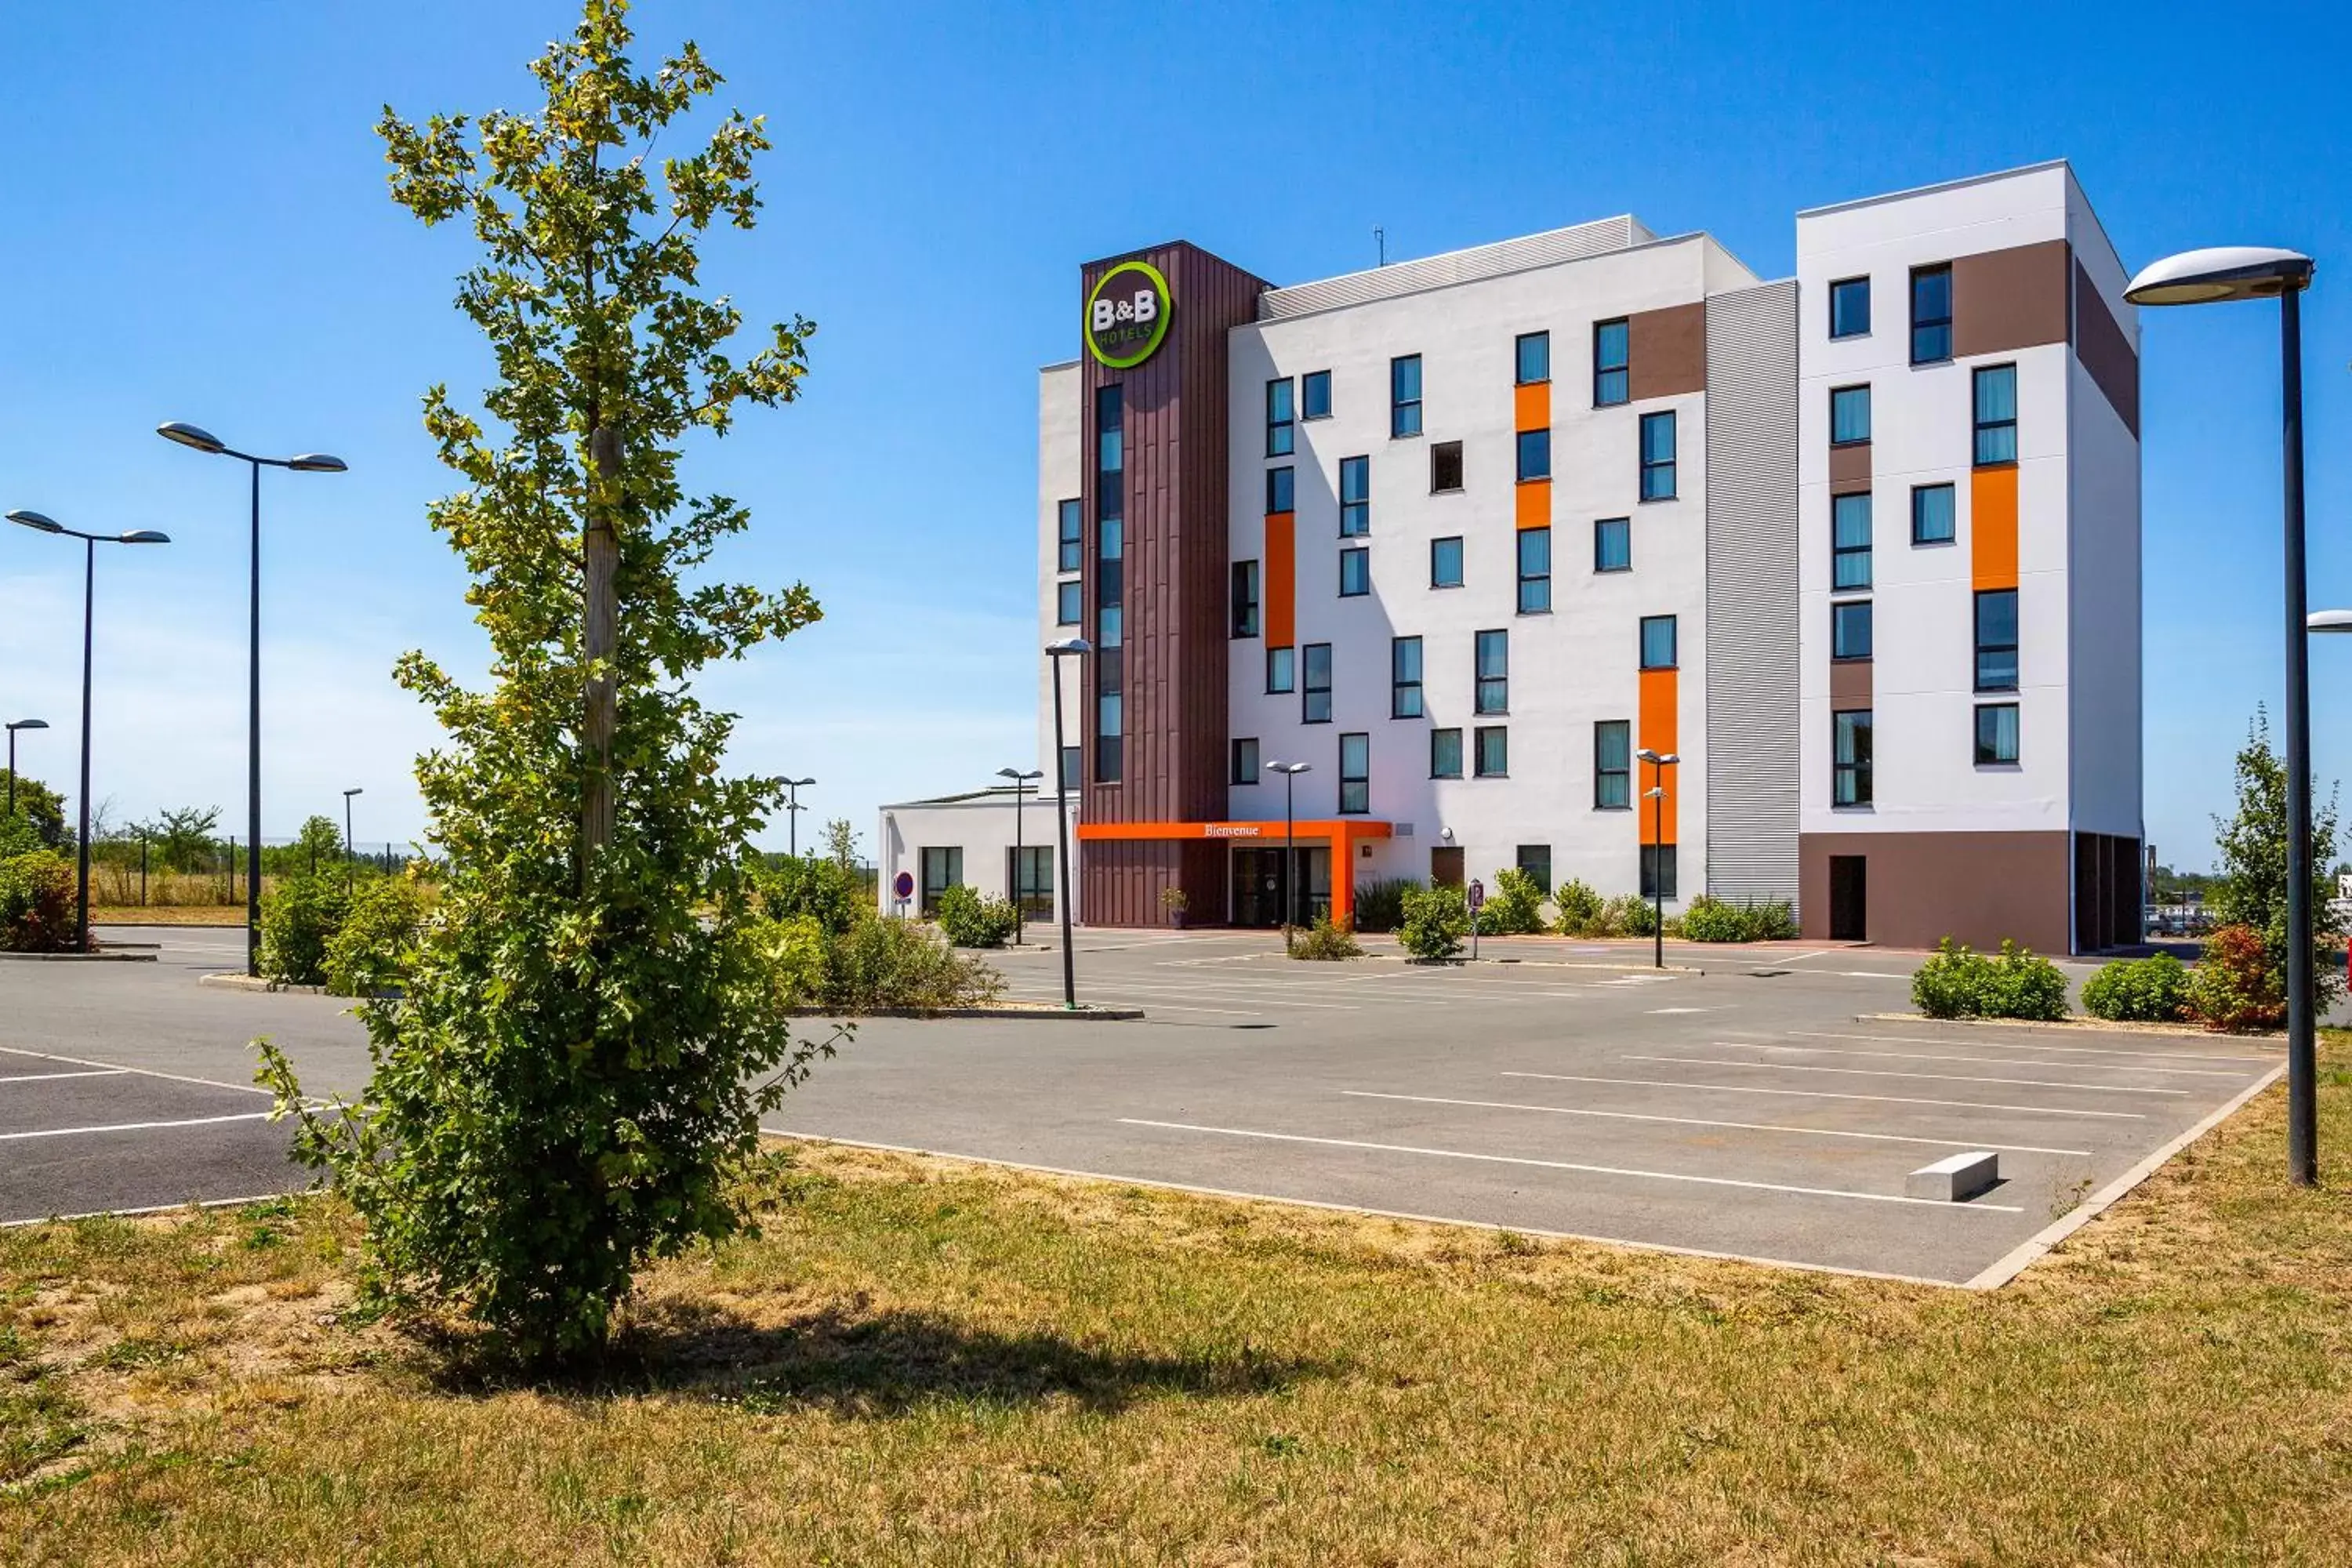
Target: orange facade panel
1535, 503
1654, 731
1281, 579
1992, 528
1531, 407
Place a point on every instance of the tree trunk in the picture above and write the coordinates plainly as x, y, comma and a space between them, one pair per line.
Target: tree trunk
602, 553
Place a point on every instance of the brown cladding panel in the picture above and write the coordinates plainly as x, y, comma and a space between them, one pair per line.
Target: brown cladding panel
1668, 349
2008, 300
1849, 468
1923, 887
2106, 352
1850, 683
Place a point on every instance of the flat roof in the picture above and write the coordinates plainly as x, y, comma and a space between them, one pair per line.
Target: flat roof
2042, 168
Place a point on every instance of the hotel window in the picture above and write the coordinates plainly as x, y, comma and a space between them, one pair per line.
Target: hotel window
1535, 862
1535, 455
1997, 640
1658, 870
1355, 573
1535, 570
1278, 427
1446, 562
1494, 686
1244, 598
1611, 357
1658, 649
1069, 602
942, 869
1281, 490
1849, 415
1315, 697
1315, 395
1071, 771
1444, 466
1280, 670
1445, 753
1355, 774
1355, 497
1612, 544
1404, 395
1533, 354
1071, 555
1658, 456
1404, 678
1850, 758
1849, 629
1245, 762
1849, 542
1997, 734
1934, 514
1996, 405
1850, 308
1613, 764
1032, 880
1931, 314
1492, 746
1110, 550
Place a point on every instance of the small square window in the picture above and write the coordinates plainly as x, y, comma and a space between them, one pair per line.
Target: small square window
1934, 514
1446, 562
1612, 544
1069, 602
1535, 455
1493, 745
1315, 395
1445, 753
1534, 356
1245, 762
1850, 308
1849, 415
1281, 670
1658, 870
1444, 466
1355, 573
1281, 490
1995, 409
1535, 863
1658, 643
1849, 629
1997, 734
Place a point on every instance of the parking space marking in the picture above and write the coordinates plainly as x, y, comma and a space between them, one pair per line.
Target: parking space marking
1572, 1165
1701, 1121
142, 1072
134, 1126
1890, 1072
1131, 1002
1982, 1061
50, 1076
1832, 1094
2010, 1043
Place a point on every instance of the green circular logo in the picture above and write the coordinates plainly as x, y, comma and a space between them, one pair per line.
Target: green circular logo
1127, 314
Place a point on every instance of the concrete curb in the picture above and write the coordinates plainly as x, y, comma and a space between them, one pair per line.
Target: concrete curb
1083, 1012
2083, 1026
109, 956
254, 983
1464, 962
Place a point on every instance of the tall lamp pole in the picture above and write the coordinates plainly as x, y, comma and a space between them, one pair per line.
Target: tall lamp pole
792, 788
1656, 796
201, 440
346, 836
90, 542
1065, 648
1020, 788
15, 725
1289, 772
2257, 272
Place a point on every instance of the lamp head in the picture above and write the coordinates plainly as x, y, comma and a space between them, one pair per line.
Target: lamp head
30, 724
31, 519
1646, 754
799, 784
317, 463
1669, 760
191, 435
1061, 645
143, 536
2329, 621
2223, 272
349, 793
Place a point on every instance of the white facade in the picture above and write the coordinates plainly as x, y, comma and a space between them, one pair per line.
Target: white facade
983, 831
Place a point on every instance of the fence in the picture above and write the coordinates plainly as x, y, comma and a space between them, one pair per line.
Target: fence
134, 873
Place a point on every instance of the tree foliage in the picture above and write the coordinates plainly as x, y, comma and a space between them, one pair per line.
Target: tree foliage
2250, 889
44, 807
181, 838
592, 1024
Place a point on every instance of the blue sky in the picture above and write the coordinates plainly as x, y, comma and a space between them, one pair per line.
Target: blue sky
197, 228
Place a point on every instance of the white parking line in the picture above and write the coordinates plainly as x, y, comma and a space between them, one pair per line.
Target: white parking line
133, 1126
1831, 1094
46, 1077
1889, 1072
1701, 1121
142, 1072
2014, 1043
1130, 1002
1983, 1061
1570, 1165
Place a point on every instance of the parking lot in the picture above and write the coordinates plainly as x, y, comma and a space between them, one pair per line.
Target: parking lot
1745, 1102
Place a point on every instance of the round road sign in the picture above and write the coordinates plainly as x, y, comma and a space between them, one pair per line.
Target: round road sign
902, 886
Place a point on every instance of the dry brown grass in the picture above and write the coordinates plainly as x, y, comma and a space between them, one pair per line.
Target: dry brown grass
168, 914
930, 1361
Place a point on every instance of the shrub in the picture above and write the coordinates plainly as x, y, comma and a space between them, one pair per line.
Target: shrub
1580, 909
1514, 908
967, 920
1958, 982
1709, 919
374, 950
2026, 985
1323, 939
798, 947
823, 890
1628, 915
36, 902
880, 963
1436, 922
2139, 990
2236, 985
1379, 906
298, 918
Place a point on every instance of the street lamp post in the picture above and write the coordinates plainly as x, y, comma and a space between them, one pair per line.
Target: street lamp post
346, 836
1057, 651
1020, 788
2256, 272
1656, 796
90, 544
202, 440
1289, 772
792, 788
15, 725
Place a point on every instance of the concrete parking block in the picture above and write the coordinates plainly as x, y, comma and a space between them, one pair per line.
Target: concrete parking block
1954, 1178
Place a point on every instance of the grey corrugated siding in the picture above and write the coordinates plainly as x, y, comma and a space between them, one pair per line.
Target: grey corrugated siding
1453, 267
1751, 594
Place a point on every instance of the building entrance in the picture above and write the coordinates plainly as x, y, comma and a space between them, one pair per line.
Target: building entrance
1257, 885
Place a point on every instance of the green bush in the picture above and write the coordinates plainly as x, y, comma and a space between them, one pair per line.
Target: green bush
799, 947
1323, 939
2237, 986
1379, 906
36, 902
1959, 983
1515, 907
2139, 990
880, 963
1709, 919
1436, 923
967, 920
374, 948
298, 918
1580, 909
823, 890
1628, 914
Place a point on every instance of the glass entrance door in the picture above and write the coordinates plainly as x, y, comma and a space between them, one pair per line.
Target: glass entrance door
1257, 885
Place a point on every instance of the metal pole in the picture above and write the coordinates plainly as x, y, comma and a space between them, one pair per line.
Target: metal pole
12, 770
253, 751
1061, 841
1658, 864
2302, 1102
1016, 862
349, 871
1289, 852
792, 819
81, 856
142, 871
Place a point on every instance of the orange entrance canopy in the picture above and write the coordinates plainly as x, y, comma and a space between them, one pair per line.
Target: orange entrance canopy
1341, 833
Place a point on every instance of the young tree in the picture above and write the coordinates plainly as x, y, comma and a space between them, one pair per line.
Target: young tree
320, 843
180, 840
580, 1057
2251, 886
841, 842
42, 806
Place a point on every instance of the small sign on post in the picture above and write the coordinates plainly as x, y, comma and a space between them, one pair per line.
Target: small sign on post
902, 887
1477, 902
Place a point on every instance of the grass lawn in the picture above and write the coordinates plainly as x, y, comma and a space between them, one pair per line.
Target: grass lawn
929, 1361
166, 915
